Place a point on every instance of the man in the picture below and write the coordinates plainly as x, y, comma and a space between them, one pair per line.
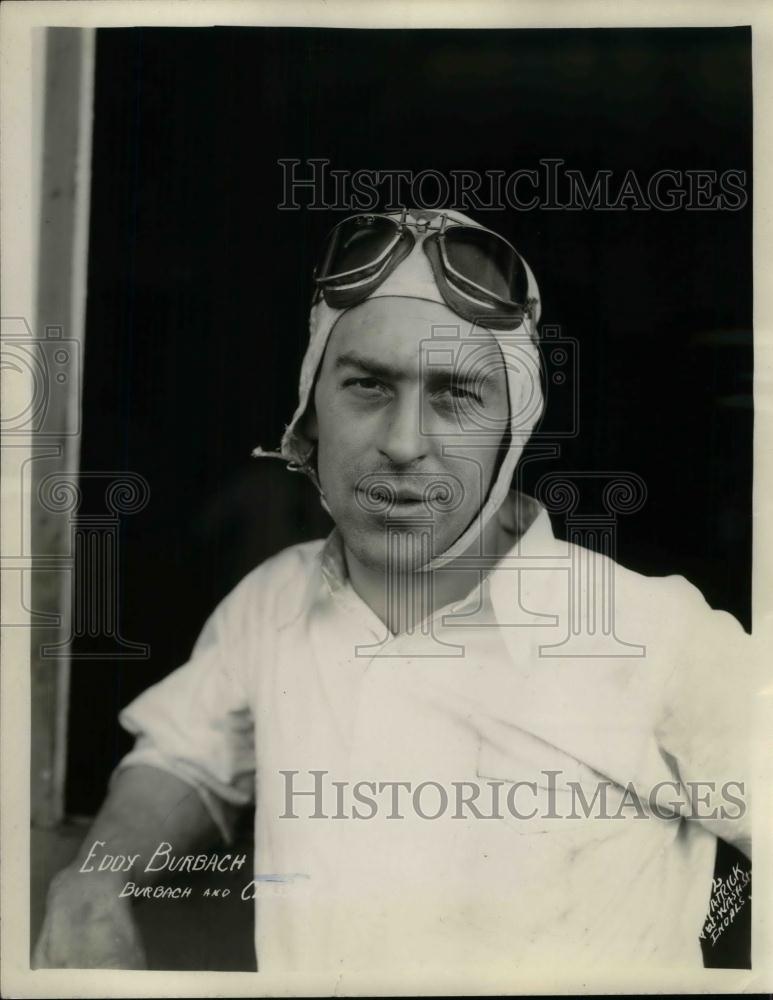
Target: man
448, 773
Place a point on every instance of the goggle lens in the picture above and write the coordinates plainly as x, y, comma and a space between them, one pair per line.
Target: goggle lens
484, 260
357, 244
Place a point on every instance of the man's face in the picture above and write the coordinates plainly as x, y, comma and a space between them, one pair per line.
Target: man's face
394, 409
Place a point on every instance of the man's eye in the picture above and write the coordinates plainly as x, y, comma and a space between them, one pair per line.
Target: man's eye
367, 387
459, 393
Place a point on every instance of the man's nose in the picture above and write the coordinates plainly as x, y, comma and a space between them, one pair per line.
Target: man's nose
402, 440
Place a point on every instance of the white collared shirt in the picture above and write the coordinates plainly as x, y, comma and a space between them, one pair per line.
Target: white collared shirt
559, 674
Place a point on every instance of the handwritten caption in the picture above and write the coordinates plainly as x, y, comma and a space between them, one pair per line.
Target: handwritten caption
728, 897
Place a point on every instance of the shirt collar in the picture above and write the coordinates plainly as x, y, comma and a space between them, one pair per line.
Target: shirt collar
523, 520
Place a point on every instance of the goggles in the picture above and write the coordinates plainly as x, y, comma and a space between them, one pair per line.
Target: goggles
479, 275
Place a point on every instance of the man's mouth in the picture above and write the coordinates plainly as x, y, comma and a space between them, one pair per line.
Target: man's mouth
383, 498
406, 498
389, 496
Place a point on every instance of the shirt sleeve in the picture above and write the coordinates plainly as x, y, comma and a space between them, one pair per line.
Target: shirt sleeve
197, 723
707, 714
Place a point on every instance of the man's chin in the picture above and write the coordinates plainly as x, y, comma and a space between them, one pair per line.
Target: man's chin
398, 550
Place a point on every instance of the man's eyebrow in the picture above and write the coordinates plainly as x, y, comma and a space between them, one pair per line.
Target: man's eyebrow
379, 369
440, 377
435, 376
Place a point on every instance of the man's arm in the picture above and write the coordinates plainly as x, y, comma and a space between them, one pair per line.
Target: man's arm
706, 723
87, 925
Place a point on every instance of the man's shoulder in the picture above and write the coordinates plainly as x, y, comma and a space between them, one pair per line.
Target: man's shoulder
670, 590
671, 604
272, 592
295, 560
664, 598
291, 568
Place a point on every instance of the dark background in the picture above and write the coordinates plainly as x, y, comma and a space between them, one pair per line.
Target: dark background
198, 291
199, 287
